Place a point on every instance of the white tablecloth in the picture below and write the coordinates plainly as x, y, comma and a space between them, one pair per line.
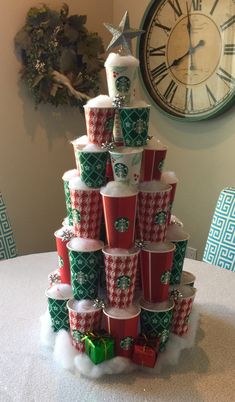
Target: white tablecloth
27, 371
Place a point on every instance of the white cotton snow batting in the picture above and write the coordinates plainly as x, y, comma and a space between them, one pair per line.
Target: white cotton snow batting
69, 174
60, 291
80, 244
64, 352
116, 60
101, 101
83, 140
153, 186
118, 189
77, 184
92, 148
47, 335
169, 177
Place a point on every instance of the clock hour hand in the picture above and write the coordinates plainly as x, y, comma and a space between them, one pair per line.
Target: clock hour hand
191, 50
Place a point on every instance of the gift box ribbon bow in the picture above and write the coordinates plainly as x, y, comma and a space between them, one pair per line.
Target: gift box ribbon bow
103, 338
144, 341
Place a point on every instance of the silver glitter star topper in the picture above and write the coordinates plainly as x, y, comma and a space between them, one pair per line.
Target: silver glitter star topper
123, 34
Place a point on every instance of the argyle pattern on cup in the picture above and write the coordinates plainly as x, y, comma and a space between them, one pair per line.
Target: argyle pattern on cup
89, 207
181, 313
178, 261
85, 271
92, 166
68, 201
150, 207
120, 279
80, 323
156, 324
59, 314
99, 123
134, 123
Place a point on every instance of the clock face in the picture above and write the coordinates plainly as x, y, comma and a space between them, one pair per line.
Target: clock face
187, 56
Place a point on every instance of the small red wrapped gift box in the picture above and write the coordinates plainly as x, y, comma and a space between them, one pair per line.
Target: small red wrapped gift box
145, 351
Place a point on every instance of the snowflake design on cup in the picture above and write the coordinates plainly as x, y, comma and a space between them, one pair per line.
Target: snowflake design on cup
123, 282
77, 335
76, 215
165, 278
123, 84
121, 224
127, 342
164, 335
120, 170
139, 126
160, 218
81, 278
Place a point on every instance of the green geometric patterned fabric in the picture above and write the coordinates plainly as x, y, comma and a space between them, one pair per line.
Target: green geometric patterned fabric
59, 314
85, 270
93, 168
178, 261
156, 324
134, 123
7, 242
220, 245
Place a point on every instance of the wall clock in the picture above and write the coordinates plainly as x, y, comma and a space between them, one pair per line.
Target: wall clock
187, 56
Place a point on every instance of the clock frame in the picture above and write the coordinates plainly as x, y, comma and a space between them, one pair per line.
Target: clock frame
187, 56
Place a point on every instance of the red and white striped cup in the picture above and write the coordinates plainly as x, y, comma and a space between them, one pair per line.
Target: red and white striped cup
122, 324
156, 262
153, 161
120, 271
183, 298
84, 317
99, 124
153, 210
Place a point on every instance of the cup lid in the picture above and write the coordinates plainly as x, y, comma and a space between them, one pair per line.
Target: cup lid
157, 307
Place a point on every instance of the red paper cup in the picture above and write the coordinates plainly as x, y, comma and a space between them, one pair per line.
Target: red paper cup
170, 178
153, 210
122, 324
120, 272
156, 263
120, 214
83, 320
152, 163
99, 124
86, 212
183, 298
63, 257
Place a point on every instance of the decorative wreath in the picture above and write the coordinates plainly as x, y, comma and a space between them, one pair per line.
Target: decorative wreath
61, 59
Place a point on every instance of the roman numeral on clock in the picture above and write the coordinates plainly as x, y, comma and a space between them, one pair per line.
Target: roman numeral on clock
229, 49
176, 7
228, 23
170, 91
189, 99
157, 51
214, 6
225, 76
159, 72
211, 97
164, 27
196, 5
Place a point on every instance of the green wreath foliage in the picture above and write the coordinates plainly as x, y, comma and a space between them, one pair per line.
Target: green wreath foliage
61, 59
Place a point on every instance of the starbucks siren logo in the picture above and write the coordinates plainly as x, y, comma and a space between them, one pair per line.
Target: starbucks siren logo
165, 278
76, 215
160, 218
121, 224
127, 342
61, 261
120, 170
123, 84
123, 282
81, 278
77, 335
139, 126
160, 166
109, 125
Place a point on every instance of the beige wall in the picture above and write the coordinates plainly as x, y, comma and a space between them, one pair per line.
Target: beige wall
202, 154
35, 149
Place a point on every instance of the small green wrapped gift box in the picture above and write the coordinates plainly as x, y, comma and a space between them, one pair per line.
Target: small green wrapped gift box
99, 347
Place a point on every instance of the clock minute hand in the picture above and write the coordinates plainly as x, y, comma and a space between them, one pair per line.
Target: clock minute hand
189, 29
191, 50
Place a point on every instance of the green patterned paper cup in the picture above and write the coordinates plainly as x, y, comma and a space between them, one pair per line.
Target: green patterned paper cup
92, 166
180, 239
58, 296
134, 124
156, 319
85, 257
126, 164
